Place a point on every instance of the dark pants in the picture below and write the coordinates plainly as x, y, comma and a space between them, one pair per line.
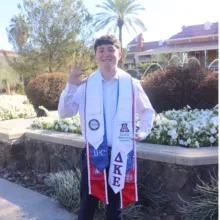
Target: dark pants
89, 203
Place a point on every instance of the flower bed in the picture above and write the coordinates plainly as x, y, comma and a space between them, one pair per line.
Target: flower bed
186, 127
71, 125
15, 106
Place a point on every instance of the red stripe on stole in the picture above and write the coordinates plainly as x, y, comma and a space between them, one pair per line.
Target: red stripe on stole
97, 181
129, 190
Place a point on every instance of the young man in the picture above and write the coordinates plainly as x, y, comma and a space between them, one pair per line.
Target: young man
107, 103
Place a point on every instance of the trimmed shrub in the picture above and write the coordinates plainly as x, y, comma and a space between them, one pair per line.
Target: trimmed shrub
45, 89
178, 86
204, 205
207, 91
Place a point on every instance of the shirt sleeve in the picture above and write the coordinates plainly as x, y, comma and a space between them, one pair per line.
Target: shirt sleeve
69, 101
145, 111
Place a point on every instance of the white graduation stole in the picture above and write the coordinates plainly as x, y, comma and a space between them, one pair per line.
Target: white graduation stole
94, 110
123, 131
122, 176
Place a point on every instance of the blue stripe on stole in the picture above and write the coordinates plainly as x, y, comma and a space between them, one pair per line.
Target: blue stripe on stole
99, 157
130, 160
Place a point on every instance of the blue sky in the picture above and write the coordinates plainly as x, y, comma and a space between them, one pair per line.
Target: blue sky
162, 18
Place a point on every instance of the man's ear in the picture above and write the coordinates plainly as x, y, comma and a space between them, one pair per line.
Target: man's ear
120, 54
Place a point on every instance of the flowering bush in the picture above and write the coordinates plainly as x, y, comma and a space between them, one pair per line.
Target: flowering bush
45, 89
177, 87
185, 127
54, 123
15, 106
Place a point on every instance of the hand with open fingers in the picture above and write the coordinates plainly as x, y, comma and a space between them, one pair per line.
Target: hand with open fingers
74, 74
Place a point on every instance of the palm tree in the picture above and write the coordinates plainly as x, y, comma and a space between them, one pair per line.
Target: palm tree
18, 31
119, 13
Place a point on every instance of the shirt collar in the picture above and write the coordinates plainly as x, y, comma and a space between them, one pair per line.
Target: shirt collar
114, 78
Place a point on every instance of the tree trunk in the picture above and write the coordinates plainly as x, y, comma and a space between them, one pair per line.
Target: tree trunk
7, 88
50, 69
121, 65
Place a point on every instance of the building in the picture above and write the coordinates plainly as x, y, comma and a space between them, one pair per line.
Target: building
10, 54
200, 41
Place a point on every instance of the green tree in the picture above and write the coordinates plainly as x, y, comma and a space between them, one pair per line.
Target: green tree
6, 72
119, 14
54, 29
18, 31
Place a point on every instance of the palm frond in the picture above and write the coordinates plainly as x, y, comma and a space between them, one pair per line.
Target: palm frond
103, 23
108, 6
101, 14
137, 22
133, 8
130, 23
115, 28
110, 29
127, 27
125, 10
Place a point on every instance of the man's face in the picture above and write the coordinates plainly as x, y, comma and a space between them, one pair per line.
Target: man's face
107, 56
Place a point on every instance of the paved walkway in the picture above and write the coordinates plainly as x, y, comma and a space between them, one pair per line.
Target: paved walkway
19, 203
14, 124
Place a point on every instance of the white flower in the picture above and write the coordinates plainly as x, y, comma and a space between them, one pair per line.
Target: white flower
195, 128
188, 126
167, 126
213, 130
188, 141
214, 121
181, 142
173, 134
173, 122
212, 139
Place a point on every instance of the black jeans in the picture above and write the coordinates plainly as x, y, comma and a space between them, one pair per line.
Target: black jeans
89, 203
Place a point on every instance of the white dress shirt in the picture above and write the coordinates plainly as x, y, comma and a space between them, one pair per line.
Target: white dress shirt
72, 100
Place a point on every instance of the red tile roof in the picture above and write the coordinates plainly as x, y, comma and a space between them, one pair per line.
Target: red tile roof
147, 46
187, 46
196, 30
135, 40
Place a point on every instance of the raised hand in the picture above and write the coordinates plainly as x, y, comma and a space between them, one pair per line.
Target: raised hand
75, 73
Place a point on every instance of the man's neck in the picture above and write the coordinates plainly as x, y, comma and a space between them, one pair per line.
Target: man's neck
108, 75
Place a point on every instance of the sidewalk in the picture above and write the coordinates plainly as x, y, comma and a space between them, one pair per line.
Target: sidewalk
19, 203
14, 128
14, 124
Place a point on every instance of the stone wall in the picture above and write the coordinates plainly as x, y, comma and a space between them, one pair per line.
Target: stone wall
174, 180
49, 157
13, 154
158, 179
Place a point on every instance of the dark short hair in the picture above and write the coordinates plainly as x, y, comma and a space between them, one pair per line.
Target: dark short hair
107, 39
